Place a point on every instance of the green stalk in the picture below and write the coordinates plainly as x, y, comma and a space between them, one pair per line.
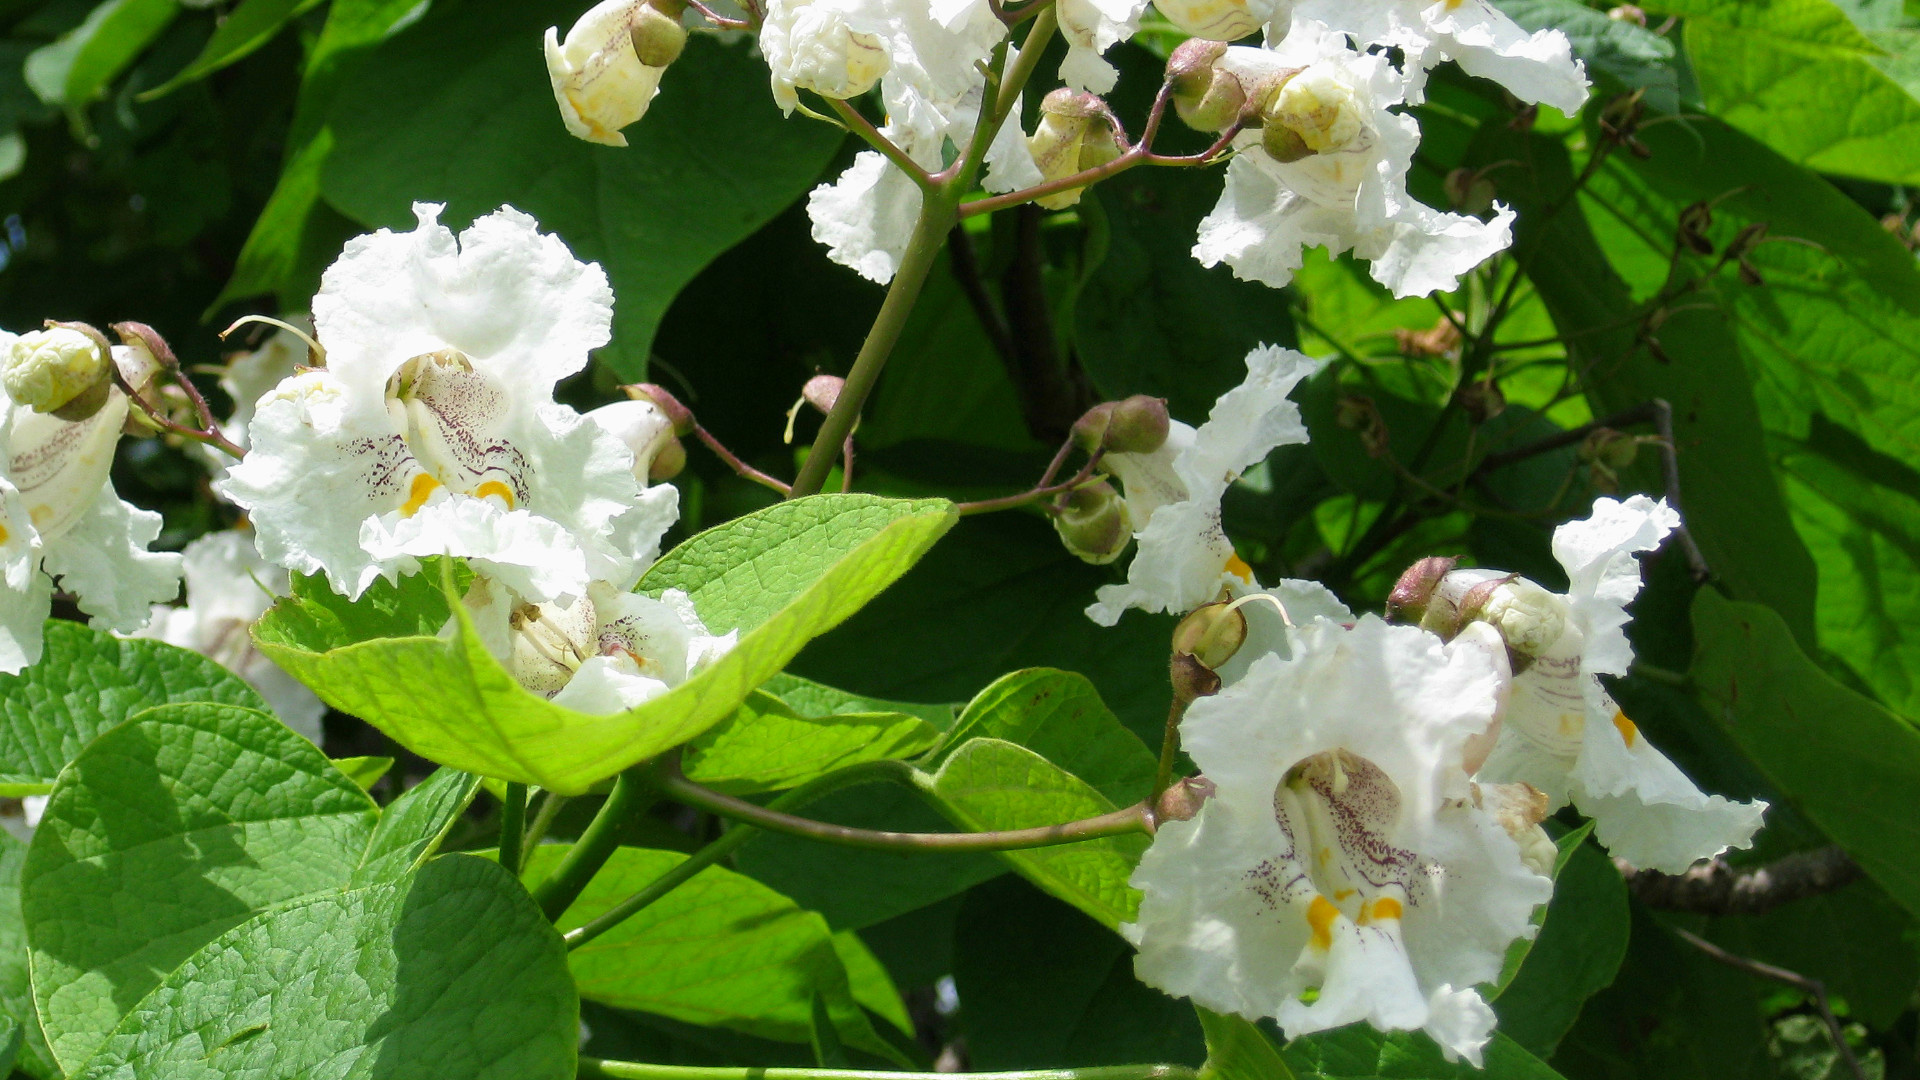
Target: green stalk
513, 827
631, 793
601, 1069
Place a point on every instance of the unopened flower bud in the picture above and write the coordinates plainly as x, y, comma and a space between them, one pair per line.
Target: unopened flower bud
1217, 20
1135, 425
1094, 524
1529, 618
599, 80
1316, 111
1613, 449
1469, 191
809, 45
645, 430
1183, 800
1206, 98
678, 414
46, 369
1075, 133
1191, 679
1211, 634
1408, 600
658, 37
823, 392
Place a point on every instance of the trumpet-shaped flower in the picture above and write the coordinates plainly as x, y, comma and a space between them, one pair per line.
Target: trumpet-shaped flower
1329, 169
1344, 849
229, 586
1537, 67
433, 430
604, 652
1090, 28
1173, 494
60, 520
599, 80
831, 47
1562, 732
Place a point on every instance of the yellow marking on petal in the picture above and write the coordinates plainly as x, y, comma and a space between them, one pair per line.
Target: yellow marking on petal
1320, 917
1343, 894
1238, 568
4, 534
1570, 725
1325, 855
1384, 907
1628, 730
421, 490
495, 487
40, 515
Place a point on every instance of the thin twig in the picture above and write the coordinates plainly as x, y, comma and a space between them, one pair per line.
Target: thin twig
864, 128
1813, 988
733, 461
1039, 491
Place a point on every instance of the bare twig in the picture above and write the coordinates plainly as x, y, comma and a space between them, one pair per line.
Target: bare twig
1714, 888
1813, 988
734, 462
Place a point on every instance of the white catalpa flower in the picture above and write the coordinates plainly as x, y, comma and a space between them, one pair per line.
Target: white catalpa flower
1537, 67
600, 80
1218, 20
1173, 494
1562, 732
866, 217
1344, 849
1090, 28
229, 586
831, 47
432, 430
1343, 182
604, 652
60, 520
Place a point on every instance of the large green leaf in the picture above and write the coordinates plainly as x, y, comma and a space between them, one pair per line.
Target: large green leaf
1043, 986
413, 825
780, 577
1731, 499
1059, 716
450, 972
818, 700
720, 950
1579, 948
250, 26
767, 746
16, 985
163, 834
712, 161
1844, 762
87, 682
76, 69
993, 784
1799, 76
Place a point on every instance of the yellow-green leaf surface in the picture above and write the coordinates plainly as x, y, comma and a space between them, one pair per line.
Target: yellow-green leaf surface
767, 746
781, 577
721, 950
450, 973
1845, 762
991, 784
86, 682
1236, 1050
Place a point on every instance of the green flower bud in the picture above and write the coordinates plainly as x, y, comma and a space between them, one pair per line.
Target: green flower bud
46, 369
1211, 634
1137, 425
1094, 524
658, 36
1313, 111
1206, 98
1076, 132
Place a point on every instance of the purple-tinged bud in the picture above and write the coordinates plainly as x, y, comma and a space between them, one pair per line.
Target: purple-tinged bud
1094, 523
680, 415
1090, 431
1191, 679
823, 392
1206, 98
1076, 132
1408, 600
1138, 425
1183, 800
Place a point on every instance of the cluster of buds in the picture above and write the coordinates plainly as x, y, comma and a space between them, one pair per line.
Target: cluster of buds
1076, 132
69, 370
1300, 112
1135, 425
608, 69
1093, 520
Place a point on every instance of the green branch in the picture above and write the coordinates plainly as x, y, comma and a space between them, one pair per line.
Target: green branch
602, 1069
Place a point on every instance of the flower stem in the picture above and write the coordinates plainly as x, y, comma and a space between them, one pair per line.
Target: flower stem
1169, 746
549, 809
513, 827
589, 853
1119, 823
602, 1069
713, 852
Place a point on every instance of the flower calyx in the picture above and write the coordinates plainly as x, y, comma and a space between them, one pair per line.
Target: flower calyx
1205, 97
658, 36
1076, 132
1411, 594
1211, 634
1183, 799
1093, 523
1135, 425
680, 416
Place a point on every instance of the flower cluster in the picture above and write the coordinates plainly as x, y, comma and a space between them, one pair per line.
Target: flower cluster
1313, 118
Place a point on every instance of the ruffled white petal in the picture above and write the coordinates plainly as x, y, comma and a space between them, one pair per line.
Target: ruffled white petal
26, 595
511, 298
1090, 28
103, 560
1173, 494
866, 216
1598, 555
532, 555
1537, 67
